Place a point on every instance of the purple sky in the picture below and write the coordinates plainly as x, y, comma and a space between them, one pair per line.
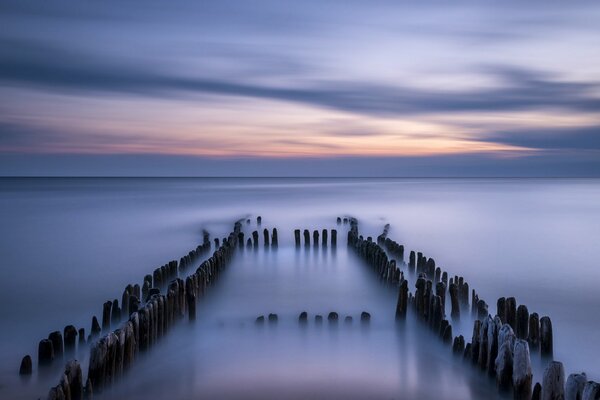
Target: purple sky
310, 88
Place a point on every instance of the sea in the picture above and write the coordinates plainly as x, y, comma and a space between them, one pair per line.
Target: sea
67, 245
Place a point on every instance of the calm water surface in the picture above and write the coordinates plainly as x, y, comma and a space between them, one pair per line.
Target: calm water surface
68, 245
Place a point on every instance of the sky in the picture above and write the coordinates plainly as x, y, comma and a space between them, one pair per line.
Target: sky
302, 88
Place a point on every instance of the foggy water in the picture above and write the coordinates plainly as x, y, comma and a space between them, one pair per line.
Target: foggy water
68, 245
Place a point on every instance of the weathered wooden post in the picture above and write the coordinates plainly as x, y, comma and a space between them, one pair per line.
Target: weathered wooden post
266, 237
365, 317
74, 379
70, 336
306, 238
273, 318
522, 373
26, 367
458, 346
411, 260
125, 301
297, 237
333, 238
274, 239
303, 318
575, 386
333, 317
402, 303
483, 342
455, 306
316, 237
45, 352
511, 312
537, 392
553, 385
501, 309
191, 305
546, 345
522, 322
494, 326
88, 392
534, 331
255, 239
57, 343
259, 220
504, 365
475, 341
81, 335
106, 316
482, 309
591, 391
324, 237
115, 315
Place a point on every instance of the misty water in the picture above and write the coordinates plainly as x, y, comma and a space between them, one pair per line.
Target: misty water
68, 245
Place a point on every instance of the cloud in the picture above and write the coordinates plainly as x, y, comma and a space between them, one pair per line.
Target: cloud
571, 138
42, 67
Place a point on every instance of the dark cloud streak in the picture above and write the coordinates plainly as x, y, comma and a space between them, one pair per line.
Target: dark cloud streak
40, 67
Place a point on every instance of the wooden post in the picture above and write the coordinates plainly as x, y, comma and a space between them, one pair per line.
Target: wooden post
297, 237
115, 316
591, 391
306, 238
303, 318
553, 385
504, 365
57, 343
365, 317
45, 352
191, 305
575, 386
70, 336
333, 238
106, 316
501, 309
455, 306
26, 367
316, 238
75, 379
522, 322
255, 239
458, 346
324, 237
266, 237
546, 345
522, 373
534, 331
274, 239
511, 312
402, 303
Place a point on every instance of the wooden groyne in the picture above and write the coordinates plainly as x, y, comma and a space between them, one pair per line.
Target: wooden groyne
501, 344
148, 320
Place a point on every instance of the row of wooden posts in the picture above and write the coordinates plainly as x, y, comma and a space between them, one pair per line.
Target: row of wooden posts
116, 351
269, 239
315, 236
333, 317
59, 344
499, 345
